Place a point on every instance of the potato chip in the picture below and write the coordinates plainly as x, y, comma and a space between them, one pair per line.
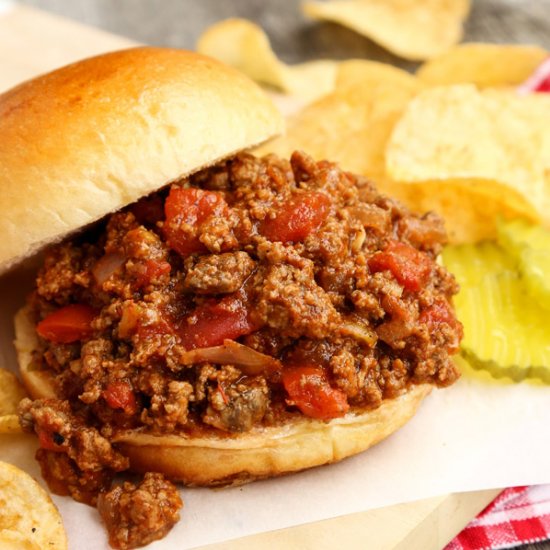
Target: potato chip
494, 142
360, 72
9, 424
27, 514
11, 392
351, 125
409, 28
12, 540
483, 65
245, 46
469, 214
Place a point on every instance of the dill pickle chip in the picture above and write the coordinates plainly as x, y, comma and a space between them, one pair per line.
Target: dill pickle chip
505, 329
470, 263
529, 245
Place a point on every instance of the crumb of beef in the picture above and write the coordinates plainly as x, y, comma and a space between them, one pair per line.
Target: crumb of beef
75, 459
217, 273
65, 478
137, 514
168, 409
290, 302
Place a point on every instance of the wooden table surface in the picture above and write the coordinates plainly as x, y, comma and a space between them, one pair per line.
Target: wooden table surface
179, 22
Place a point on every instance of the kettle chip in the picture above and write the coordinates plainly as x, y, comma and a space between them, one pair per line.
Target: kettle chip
28, 516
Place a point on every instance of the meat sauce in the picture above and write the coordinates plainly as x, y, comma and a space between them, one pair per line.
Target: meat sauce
299, 262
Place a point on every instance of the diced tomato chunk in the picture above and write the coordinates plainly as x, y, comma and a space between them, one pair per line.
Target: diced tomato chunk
152, 270
539, 81
215, 321
411, 267
68, 324
47, 441
120, 395
309, 389
297, 218
186, 210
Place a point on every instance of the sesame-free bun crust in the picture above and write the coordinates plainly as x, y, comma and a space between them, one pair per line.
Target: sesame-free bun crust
94, 136
234, 459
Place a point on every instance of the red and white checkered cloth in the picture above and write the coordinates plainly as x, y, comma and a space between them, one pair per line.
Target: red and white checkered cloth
519, 515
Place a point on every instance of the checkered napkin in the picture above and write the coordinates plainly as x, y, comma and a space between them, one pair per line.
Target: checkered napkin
519, 515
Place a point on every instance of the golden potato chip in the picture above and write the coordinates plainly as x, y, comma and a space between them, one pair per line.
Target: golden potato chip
245, 46
11, 392
483, 65
12, 540
493, 142
409, 28
360, 72
9, 424
351, 125
27, 512
469, 214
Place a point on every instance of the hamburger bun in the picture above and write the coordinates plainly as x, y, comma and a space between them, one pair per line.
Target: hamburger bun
236, 459
94, 136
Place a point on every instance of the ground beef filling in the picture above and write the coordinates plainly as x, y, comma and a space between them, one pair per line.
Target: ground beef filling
152, 319
137, 514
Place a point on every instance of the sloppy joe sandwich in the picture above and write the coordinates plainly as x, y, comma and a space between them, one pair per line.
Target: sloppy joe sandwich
202, 313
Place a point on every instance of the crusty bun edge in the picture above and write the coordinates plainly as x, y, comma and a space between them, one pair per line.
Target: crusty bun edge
264, 452
89, 138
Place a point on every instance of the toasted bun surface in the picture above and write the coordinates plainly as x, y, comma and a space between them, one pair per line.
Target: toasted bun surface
94, 136
235, 459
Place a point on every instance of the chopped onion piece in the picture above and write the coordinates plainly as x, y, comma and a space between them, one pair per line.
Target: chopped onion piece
106, 266
371, 216
359, 331
250, 361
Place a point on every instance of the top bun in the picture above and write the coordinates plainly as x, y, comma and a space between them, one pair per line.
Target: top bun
94, 136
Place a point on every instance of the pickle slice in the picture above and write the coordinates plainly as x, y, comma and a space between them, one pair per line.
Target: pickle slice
505, 329
529, 245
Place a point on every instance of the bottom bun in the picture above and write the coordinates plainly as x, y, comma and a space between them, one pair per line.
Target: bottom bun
235, 459
269, 451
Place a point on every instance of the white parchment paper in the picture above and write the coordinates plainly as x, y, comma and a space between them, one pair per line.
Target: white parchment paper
475, 435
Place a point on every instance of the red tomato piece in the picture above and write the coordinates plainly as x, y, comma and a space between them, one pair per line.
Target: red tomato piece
297, 218
411, 267
152, 270
215, 321
441, 312
120, 395
539, 81
308, 388
46, 440
186, 210
68, 324
164, 325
